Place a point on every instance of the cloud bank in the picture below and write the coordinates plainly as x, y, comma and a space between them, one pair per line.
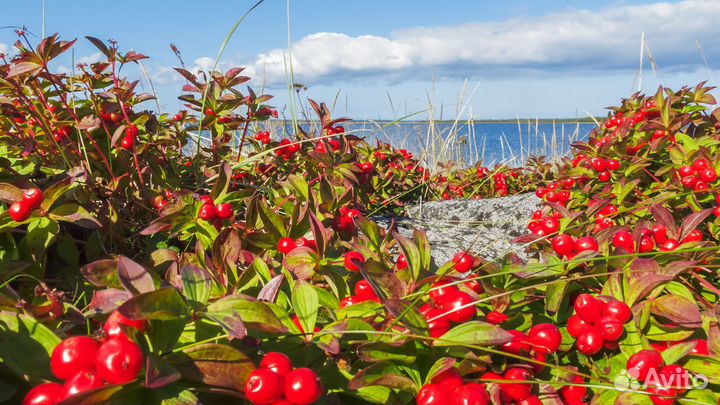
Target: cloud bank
569, 41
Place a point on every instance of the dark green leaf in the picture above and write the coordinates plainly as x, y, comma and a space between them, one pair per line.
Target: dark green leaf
475, 333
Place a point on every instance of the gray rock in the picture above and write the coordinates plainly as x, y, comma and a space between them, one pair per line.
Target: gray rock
485, 227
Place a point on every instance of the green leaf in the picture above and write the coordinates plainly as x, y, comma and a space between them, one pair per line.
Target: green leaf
678, 309
554, 296
75, 214
214, 364
162, 304
41, 234
371, 230
475, 333
26, 346
254, 314
401, 352
677, 352
197, 284
134, 277
272, 222
102, 273
385, 374
222, 181
302, 261
412, 254
306, 305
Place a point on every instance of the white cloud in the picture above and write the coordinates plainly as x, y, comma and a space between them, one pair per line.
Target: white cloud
4, 48
574, 40
578, 40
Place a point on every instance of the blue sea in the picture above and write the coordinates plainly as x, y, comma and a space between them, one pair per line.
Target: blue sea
462, 142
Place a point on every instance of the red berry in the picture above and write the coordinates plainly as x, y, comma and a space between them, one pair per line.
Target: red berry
563, 245
302, 387
286, 245
472, 394
264, 387
641, 363
113, 325
675, 376
577, 326
364, 291
517, 391
624, 240
119, 360
550, 225
669, 245
43, 394
588, 307
613, 165
401, 262
463, 262
590, 342
449, 378
496, 318
131, 131
440, 288
440, 325
662, 395
708, 175
611, 328
686, 171
701, 164
701, 348
80, 381
19, 212
224, 211
619, 310
350, 260
128, 143
434, 394
33, 197
574, 394
532, 400
586, 244
545, 338
647, 244
459, 306
277, 362
598, 164
604, 176
694, 236
348, 301
518, 345
207, 212
73, 354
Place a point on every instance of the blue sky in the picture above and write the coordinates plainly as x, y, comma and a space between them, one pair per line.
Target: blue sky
503, 59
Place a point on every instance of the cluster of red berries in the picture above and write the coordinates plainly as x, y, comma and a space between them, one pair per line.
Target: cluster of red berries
321, 145
276, 382
650, 238
85, 363
287, 245
131, 133
542, 225
664, 382
263, 137
557, 191
449, 304
21, 210
597, 324
288, 149
160, 202
449, 388
604, 217
62, 133
210, 212
363, 292
540, 341
501, 187
345, 222
566, 246
698, 176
